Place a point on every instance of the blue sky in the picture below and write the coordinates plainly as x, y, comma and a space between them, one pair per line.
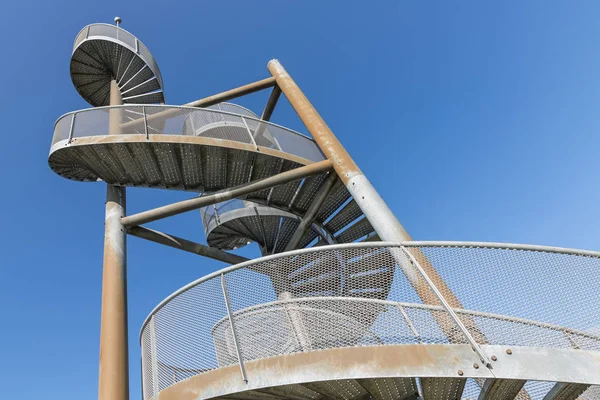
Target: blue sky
474, 120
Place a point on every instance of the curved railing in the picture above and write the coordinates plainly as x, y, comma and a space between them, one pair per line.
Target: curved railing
216, 214
150, 120
121, 36
513, 295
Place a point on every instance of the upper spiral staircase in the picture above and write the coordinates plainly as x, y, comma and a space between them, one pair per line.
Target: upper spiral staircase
315, 315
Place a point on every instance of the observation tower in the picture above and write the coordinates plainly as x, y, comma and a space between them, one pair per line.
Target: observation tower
343, 304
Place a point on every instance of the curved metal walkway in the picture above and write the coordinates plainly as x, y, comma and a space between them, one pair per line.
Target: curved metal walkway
390, 346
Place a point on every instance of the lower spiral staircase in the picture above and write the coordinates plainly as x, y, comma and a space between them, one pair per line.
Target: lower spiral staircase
339, 314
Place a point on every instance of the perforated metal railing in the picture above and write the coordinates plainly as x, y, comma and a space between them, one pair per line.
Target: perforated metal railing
121, 36
374, 294
210, 215
212, 123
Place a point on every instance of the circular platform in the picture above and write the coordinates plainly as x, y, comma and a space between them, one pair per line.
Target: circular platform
205, 150
104, 52
344, 322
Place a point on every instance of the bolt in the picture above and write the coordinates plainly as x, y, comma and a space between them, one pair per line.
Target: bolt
494, 358
460, 372
508, 351
476, 366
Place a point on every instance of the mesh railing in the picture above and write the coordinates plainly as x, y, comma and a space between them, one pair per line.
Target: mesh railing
210, 215
374, 294
170, 120
103, 31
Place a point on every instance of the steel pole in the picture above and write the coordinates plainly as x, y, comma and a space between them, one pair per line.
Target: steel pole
113, 379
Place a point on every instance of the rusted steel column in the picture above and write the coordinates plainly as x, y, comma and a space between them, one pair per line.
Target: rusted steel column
113, 379
372, 205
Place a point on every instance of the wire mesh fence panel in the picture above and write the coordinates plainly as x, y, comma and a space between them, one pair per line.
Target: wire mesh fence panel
147, 365
184, 341
62, 129
363, 295
546, 287
232, 108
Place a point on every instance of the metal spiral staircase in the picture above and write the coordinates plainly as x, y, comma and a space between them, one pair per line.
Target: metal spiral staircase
330, 311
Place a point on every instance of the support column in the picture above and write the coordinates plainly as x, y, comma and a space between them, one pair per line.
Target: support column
113, 379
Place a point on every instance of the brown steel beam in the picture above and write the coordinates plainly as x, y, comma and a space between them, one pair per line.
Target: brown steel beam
233, 93
208, 101
185, 245
113, 376
226, 194
312, 211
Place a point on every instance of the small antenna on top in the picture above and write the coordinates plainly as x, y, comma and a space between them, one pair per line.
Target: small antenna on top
118, 21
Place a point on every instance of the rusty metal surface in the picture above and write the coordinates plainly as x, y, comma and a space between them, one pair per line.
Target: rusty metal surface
436, 361
113, 380
345, 167
113, 376
233, 93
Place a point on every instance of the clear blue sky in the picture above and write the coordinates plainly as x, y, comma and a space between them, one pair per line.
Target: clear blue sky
474, 121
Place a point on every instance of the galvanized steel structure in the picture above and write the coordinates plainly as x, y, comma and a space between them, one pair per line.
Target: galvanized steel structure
343, 304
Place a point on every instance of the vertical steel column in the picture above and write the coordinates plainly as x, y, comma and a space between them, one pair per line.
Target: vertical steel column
113, 379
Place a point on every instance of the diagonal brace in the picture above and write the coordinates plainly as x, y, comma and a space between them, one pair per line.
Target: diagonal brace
185, 245
226, 194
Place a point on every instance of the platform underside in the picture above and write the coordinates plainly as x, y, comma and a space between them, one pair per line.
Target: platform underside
201, 164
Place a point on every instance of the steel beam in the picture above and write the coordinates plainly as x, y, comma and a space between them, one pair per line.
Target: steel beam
312, 211
210, 100
185, 245
233, 93
271, 103
113, 377
226, 194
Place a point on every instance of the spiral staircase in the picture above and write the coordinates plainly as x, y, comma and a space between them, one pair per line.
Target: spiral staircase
312, 326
